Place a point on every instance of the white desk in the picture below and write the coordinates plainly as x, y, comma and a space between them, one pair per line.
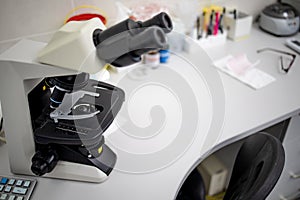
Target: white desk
246, 111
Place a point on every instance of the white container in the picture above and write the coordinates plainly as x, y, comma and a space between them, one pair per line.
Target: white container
238, 28
152, 59
214, 174
213, 40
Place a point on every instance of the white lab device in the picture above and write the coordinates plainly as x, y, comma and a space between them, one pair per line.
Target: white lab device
294, 44
280, 19
73, 41
53, 116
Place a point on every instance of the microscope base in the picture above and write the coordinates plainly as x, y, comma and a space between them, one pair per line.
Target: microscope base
78, 172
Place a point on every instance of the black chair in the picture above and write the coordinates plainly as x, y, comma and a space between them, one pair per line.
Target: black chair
193, 187
256, 170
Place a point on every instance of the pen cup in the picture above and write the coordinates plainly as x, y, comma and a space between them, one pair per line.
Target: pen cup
238, 26
209, 41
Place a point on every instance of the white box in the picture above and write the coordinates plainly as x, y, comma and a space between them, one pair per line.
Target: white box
213, 40
214, 174
238, 28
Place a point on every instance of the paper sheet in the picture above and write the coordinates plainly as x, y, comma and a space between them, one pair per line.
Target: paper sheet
249, 75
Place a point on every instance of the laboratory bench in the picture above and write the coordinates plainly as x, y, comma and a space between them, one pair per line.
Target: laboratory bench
221, 111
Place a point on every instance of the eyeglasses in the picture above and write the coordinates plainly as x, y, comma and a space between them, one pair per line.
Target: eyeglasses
283, 67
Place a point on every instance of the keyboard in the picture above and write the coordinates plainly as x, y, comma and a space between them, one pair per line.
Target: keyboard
16, 188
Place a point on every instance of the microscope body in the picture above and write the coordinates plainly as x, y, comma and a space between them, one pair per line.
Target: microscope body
20, 74
25, 103
54, 115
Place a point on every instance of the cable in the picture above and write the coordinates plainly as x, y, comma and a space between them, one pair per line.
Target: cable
2, 136
1, 124
2, 139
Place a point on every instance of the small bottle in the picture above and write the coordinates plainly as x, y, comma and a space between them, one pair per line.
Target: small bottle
152, 58
164, 55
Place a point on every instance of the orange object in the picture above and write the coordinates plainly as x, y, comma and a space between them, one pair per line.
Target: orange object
86, 16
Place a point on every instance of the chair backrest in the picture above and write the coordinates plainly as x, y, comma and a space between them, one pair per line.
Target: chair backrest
193, 188
257, 168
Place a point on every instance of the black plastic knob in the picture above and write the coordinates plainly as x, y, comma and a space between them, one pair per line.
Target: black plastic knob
44, 161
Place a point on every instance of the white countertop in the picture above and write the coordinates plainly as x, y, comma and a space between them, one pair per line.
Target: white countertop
153, 166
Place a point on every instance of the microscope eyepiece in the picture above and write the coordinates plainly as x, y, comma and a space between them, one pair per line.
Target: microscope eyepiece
151, 39
123, 44
161, 20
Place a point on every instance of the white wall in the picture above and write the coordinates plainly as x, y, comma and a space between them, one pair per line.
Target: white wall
38, 19
249, 6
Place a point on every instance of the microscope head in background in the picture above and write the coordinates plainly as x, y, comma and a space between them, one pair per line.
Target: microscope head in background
86, 46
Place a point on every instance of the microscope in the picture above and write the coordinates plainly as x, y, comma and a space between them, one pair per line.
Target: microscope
54, 114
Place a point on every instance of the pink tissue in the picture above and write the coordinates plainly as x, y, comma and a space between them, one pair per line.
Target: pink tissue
239, 64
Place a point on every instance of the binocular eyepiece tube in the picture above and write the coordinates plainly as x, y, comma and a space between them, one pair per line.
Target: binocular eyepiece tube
124, 43
161, 20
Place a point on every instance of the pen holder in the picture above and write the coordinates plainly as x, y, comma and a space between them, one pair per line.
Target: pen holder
238, 27
206, 41
213, 40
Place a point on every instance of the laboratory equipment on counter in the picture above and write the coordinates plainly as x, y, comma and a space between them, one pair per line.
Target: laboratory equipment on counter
54, 115
280, 19
294, 3
294, 44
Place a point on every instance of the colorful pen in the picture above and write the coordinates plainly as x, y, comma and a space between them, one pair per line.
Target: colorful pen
205, 21
221, 20
204, 24
216, 26
210, 26
198, 28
